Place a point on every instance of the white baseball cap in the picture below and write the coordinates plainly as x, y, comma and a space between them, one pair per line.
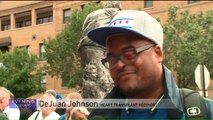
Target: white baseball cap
129, 21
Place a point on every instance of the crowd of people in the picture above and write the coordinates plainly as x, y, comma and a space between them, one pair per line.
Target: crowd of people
134, 56
10, 111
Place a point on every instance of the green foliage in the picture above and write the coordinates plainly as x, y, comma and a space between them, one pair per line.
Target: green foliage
61, 51
20, 73
187, 43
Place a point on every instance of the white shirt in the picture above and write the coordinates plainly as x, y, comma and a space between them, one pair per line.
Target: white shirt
12, 113
52, 116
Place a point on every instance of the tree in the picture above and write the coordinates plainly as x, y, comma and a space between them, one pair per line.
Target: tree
20, 73
61, 51
187, 43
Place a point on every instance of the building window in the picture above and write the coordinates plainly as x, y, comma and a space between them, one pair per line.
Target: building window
148, 3
66, 15
5, 27
5, 23
65, 82
43, 82
44, 15
42, 52
44, 20
23, 19
97, 1
5, 43
27, 23
82, 6
193, 1
19, 24
4, 49
25, 47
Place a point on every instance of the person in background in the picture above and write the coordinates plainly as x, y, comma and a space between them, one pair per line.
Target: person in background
25, 113
79, 113
51, 91
58, 97
46, 113
12, 110
76, 112
96, 79
134, 42
4, 101
60, 111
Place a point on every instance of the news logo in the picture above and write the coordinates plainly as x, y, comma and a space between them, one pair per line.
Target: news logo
23, 103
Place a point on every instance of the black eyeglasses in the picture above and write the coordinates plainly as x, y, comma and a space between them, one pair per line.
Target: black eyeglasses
127, 57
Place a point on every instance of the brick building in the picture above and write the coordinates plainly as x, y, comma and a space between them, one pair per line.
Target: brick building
27, 23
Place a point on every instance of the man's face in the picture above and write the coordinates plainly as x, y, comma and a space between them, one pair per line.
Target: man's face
139, 76
49, 109
5, 100
68, 103
78, 115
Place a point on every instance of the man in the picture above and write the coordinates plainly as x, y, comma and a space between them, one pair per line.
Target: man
134, 42
58, 96
51, 91
4, 101
47, 110
76, 112
12, 110
96, 81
